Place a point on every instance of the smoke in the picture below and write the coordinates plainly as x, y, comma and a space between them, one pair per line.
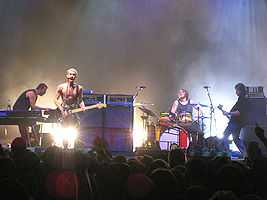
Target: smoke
117, 45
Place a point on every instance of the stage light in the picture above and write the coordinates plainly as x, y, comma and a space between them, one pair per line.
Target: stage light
139, 132
64, 137
139, 135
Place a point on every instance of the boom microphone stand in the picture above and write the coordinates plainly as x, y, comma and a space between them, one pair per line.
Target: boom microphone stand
138, 89
212, 113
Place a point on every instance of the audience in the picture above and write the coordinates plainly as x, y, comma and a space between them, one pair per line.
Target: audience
59, 174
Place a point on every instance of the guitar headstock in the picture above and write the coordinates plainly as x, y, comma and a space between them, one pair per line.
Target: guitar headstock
101, 105
220, 106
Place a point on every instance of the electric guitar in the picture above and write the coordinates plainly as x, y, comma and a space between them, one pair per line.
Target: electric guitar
60, 117
220, 107
76, 110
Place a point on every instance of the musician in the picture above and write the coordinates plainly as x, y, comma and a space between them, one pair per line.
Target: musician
25, 102
183, 109
69, 96
237, 116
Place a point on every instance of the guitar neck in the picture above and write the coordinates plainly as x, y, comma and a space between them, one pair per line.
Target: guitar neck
223, 112
76, 110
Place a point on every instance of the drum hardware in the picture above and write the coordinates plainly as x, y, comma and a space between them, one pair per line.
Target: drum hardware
212, 113
143, 104
147, 111
138, 89
201, 122
148, 125
199, 104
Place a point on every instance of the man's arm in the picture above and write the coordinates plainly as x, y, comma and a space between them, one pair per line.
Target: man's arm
58, 98
174, 107
32, 98
80, 99
234, 113
241, 107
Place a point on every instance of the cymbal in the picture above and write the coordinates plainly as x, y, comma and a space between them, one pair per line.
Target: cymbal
144, 104
199, 104
203, 117
147, 111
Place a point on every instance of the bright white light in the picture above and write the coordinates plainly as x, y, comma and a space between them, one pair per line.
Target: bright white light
61, 135
139, 133
225, 96
217, 128
64, 137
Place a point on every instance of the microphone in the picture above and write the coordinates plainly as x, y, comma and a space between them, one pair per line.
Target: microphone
206, 87
141, 87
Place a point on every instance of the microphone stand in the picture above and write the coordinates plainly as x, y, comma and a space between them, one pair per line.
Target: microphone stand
137, 92
143, 117
212, 113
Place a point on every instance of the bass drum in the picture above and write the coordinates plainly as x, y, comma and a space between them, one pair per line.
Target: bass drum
177, 136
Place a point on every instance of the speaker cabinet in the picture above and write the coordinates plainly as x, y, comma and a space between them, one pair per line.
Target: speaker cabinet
257, 110
92, 118
113, 124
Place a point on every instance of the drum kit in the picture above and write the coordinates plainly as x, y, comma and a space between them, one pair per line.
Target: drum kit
171, 130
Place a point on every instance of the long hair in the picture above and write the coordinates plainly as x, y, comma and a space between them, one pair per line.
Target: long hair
242, 88
186, 93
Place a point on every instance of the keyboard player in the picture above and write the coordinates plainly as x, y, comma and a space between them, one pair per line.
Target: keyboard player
26, 102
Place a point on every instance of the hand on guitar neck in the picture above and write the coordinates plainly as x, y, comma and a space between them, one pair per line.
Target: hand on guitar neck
225, 113
66, 112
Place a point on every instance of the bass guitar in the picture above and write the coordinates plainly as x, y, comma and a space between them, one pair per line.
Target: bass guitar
225, 113
77, 110
57, 115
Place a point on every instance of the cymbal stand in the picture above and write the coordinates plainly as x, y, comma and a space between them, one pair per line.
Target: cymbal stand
144, 118
212, 113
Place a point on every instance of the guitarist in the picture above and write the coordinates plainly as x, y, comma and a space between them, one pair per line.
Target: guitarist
69, 96
237, 116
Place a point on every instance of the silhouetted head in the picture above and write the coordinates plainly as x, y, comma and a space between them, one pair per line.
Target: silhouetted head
240, 89
41, 89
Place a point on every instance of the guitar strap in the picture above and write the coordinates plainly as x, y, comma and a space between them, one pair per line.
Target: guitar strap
70, 92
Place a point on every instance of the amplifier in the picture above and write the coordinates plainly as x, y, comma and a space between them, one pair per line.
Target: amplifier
119, 99
113, 124
90, 99
255, 92
256, 110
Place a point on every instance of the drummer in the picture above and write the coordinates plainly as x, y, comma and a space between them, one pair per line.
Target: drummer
183, 109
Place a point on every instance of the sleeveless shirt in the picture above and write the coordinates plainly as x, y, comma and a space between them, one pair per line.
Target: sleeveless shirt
23, 102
